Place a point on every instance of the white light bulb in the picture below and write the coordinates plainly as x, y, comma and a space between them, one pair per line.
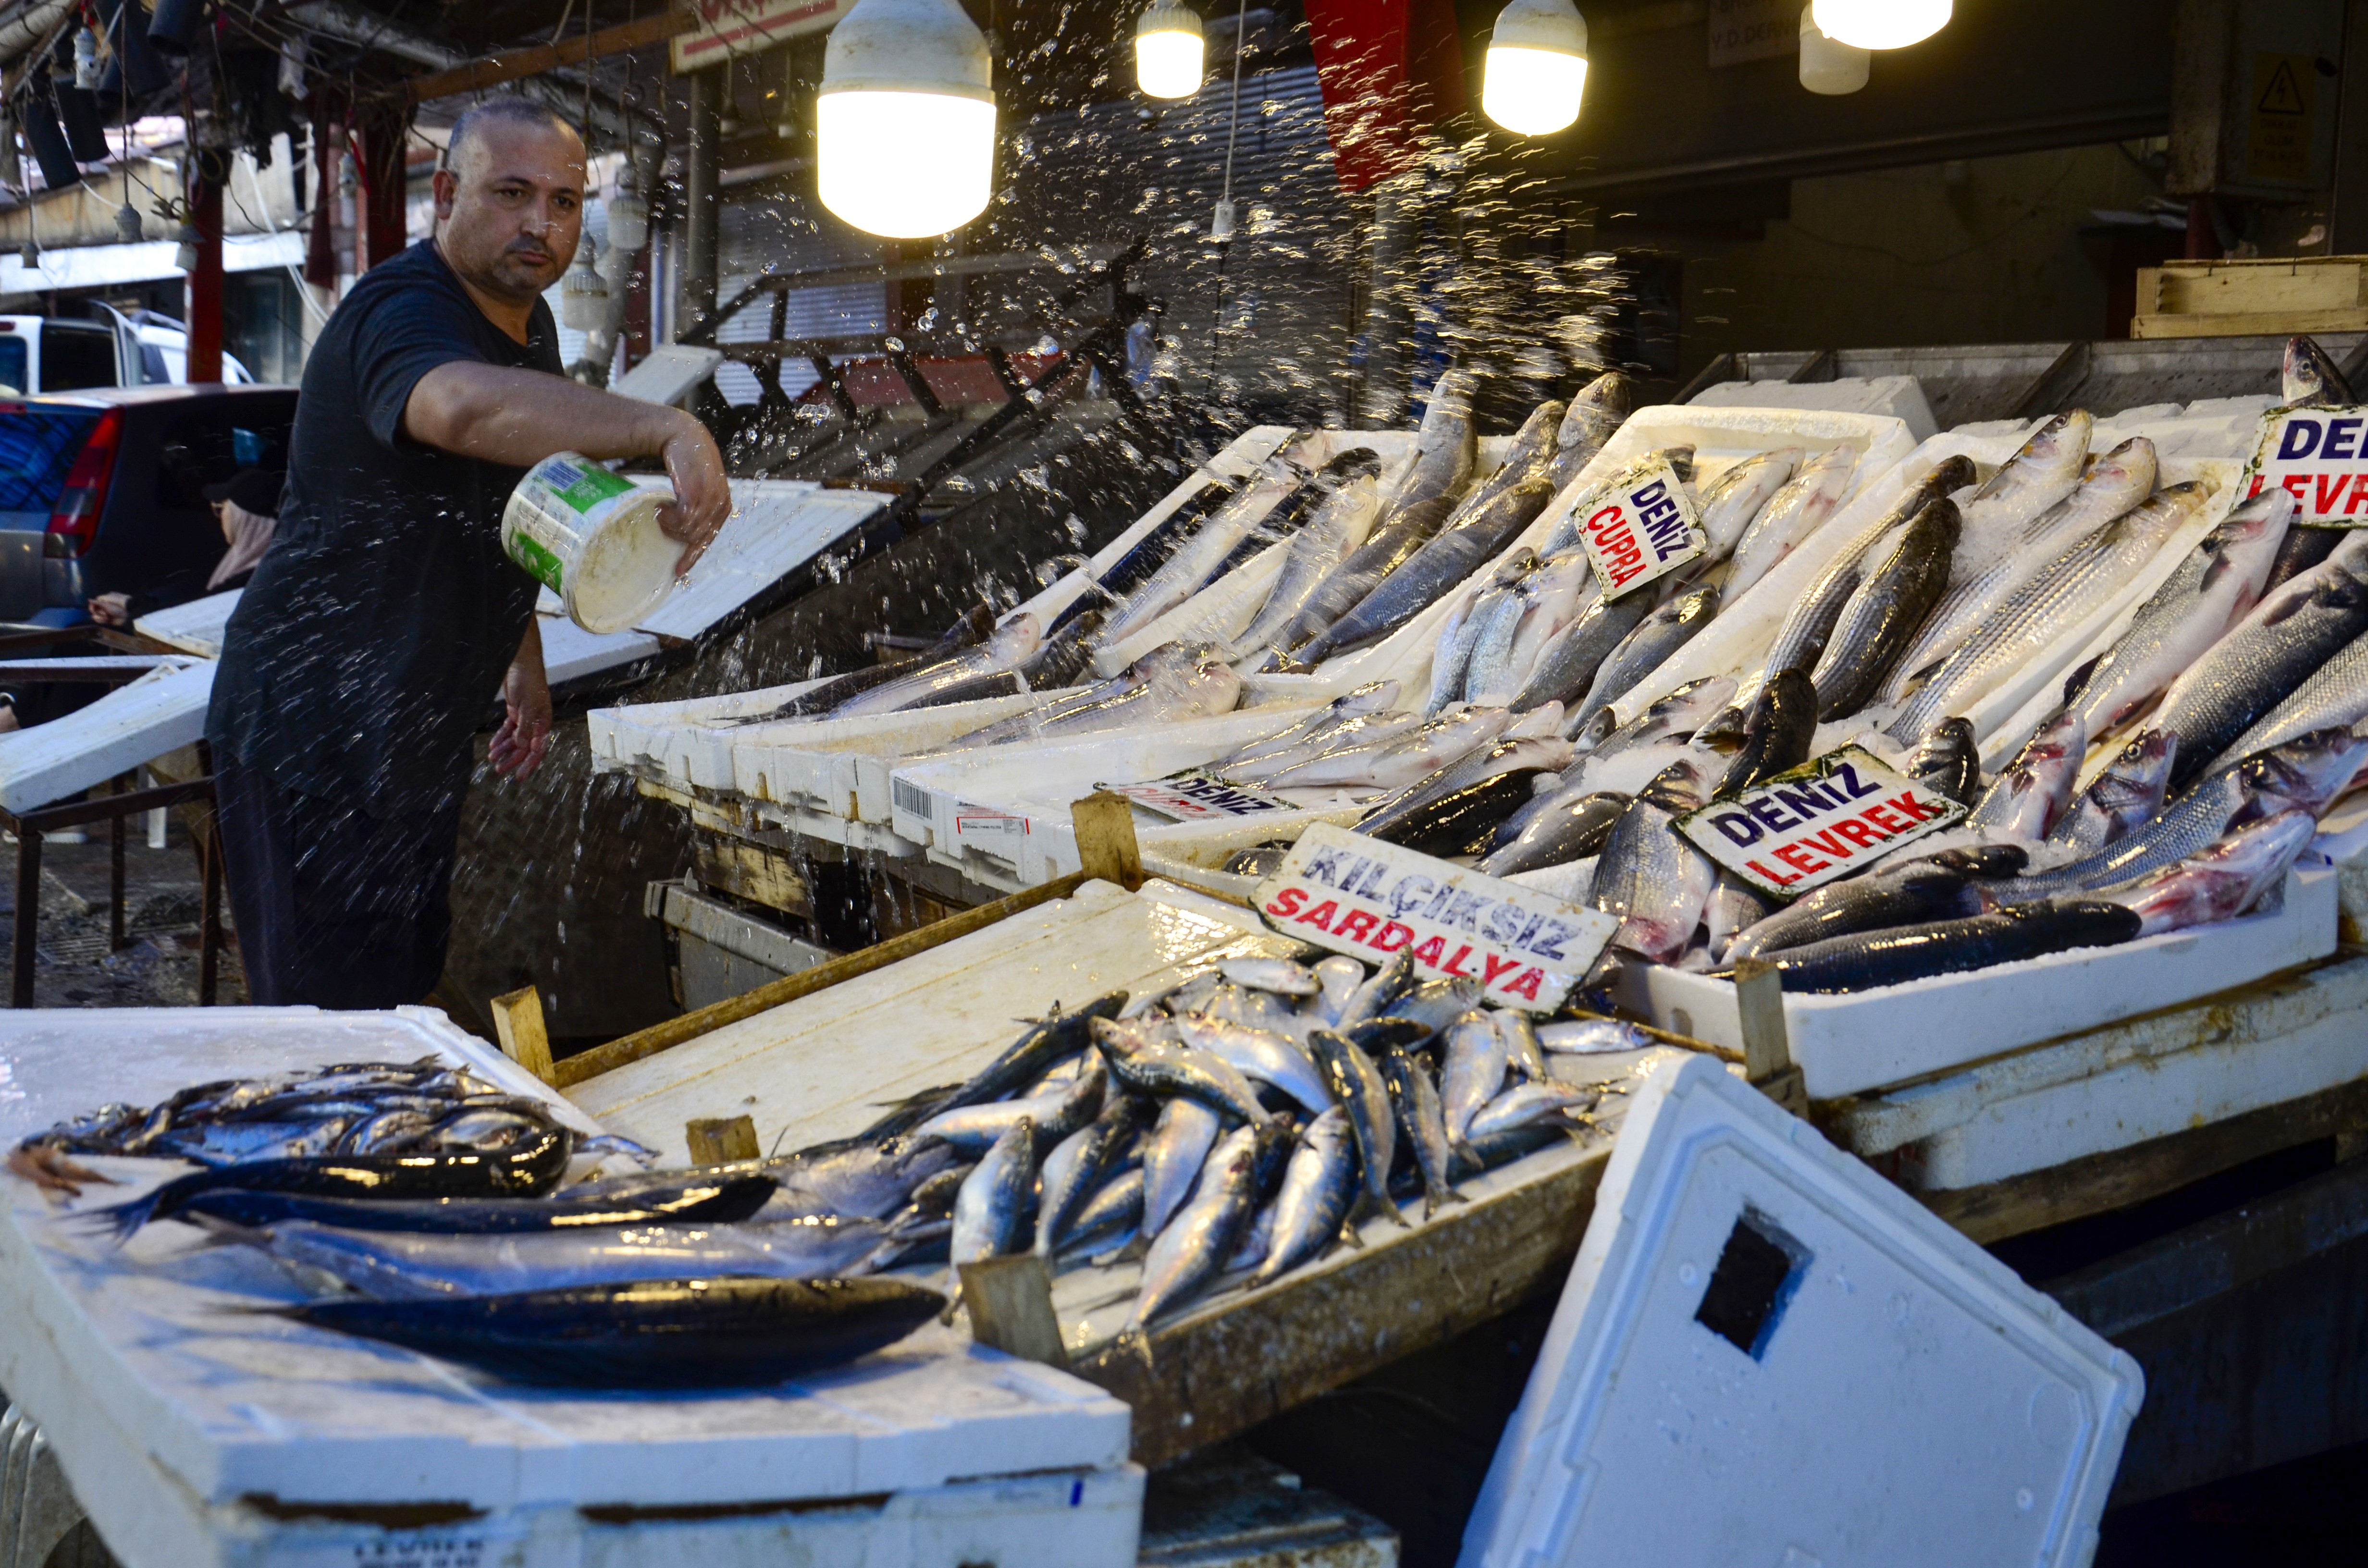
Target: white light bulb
582, 294
1170, 51
1880, 24
629, 223
1536, 71
1827, 67
905, 121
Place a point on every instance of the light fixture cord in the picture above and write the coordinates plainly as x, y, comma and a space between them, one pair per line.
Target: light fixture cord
1234, 116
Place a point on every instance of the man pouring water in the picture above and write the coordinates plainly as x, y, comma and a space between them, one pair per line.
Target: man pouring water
385, 617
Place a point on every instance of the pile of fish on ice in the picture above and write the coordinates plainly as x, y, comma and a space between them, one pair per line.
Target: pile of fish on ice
433, 1196
2170, 781
1364, 551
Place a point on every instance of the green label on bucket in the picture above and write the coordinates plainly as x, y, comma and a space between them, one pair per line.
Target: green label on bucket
583, 488
539, 563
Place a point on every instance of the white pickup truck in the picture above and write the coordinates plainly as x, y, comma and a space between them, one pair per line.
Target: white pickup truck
53, 353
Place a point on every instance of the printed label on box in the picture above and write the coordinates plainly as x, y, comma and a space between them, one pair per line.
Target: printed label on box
1640, 528
1360, 896
1196, 797
1839, 813
2321, 455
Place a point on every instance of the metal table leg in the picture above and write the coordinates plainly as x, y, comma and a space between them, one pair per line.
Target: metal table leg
209, 938
29, 911
114, 874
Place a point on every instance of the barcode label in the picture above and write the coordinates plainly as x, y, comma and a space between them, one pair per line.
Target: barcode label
909, 796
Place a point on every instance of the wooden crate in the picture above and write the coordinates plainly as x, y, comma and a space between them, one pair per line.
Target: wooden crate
2234, 299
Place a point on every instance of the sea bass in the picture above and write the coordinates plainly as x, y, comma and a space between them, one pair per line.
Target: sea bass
1894, 594
2031, 793
2222, 881
1792, 515
2128, 793
1647, 648
1656, 883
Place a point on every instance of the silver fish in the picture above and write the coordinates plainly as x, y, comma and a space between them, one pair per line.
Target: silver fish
1896, 592
1368, 733
2214, 588
1190, 567
991, 1211
2058, 597
1318, 1188
1172, 1157
1411, 757
2129, 792
1067, 1108
1013, 645
2029, 794
1356, 1084
2311, 379
1280, 977
1166, 1070
2336, 696
1563, 589
1735, 907
1593, 1037
1110, 1215
1569, 825
1436, 1003
1656, 883
1316, 552
1524, 1054
2114, 483
1599, 410
2044, 472
1792, 515
1267, 1057
1526, 1105
1373, 697
1506, 755
1645, 649
1081, 1162
1460, 633
1378, 990
1676, 716
1185, 1257
1730, 502
1340, 976
1423, 1121
1477, 1057
2222, 881
2264, 658
1801, 639
1565, 666
1446, 559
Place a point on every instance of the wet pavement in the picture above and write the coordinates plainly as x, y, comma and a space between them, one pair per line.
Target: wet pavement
157, 966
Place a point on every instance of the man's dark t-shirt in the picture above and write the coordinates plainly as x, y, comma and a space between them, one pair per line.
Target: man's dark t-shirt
372, 640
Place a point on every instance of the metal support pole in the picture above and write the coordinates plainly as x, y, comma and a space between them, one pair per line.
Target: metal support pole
703, 172
206, 284
29, 911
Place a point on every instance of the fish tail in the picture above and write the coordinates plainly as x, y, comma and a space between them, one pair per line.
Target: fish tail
953, 1305
1348, 1235
1134, 1340
122, 1222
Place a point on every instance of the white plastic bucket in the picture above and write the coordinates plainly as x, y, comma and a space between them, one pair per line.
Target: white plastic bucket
593, 538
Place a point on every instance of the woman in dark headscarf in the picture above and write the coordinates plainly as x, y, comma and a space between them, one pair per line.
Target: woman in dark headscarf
248, 506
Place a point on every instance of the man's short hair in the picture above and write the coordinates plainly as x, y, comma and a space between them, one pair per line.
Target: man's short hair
507, 110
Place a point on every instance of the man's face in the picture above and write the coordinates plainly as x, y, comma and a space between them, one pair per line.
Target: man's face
509, 217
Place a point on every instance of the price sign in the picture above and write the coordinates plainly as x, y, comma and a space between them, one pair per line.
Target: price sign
1640, 528
1839, 813
2321, 455
1196, 797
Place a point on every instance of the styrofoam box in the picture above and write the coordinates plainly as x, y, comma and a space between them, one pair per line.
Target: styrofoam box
1866, 1039
171, 1402
2343, 838
1899, 397
1767, 1355
2122, 1085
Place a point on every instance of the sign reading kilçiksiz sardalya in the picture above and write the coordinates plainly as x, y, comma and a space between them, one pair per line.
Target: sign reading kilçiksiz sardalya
1640, 528
1833, 815
1367, 899
2320, 455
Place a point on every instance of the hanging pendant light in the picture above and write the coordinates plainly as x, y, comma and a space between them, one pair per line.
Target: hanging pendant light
1880, 24
1829, 67
86, 68
1170, 51
905, 120
582, 294
127, 224
1537, 67
186, 257
629, 215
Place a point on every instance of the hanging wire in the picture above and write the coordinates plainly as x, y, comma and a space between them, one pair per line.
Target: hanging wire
1225, 199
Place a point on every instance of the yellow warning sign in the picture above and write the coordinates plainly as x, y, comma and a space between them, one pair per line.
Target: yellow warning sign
2286, 100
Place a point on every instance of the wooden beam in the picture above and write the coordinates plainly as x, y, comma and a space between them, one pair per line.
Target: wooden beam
525, 1038
1011, 1305
520, 63
720, 1140
1106, 842
805, 983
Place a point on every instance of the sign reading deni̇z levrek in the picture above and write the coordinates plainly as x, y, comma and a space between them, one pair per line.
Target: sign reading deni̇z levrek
1370, 900
1827, 818
2320, 455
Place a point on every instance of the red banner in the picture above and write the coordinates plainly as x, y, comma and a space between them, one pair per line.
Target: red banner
1388, 68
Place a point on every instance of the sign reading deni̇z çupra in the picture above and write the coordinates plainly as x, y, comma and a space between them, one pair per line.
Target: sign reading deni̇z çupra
1830, 816
1640, 528
1370, 900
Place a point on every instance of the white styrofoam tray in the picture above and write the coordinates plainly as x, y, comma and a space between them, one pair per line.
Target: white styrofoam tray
138, 721
1868, 1039
144, 1358
1767, 1355
2122, 1085
195, 627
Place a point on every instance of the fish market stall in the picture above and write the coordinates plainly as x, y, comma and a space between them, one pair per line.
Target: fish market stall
198, 1421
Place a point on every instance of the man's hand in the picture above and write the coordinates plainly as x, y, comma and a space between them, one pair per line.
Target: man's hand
702, 495
519, 745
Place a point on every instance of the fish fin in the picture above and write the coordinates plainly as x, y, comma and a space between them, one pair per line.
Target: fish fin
1137, 1341
1443, 1196
953, 1305
1349, 1236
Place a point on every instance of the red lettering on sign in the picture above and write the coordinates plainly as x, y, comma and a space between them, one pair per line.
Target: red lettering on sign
1357, 925
1321, 915
1383, 942
1461, 954
1287, 903
1779, 877
1828, 841
1913, 809
2353, 502
1858, 833
1525, 983
2330, 491
1495, 968
2299, 484
1427, 954
1793, 856
1881, 817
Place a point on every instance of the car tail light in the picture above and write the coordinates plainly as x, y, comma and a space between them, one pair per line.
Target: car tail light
75, 522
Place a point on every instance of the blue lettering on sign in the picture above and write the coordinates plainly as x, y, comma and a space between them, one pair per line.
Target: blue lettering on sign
1654, 493
2300, 440
1768, 812
1409, 893
1372, 881
1497, 928
1737, 826
1323, 865
1850, 784
1806, 799
1461, 909
2342, 439
1548, 943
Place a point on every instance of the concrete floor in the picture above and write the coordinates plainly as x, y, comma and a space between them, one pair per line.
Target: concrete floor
158, 965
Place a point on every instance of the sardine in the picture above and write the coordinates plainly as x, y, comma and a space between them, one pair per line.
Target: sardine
1378, 990
1186, 1257
1172, 1157
1436, 1003
1656, 883
1050, 1040
2126, 794
1478, 1058
1281, 976
2264, 658
991, 1212
2029, 795
1268, 1058
1527, 1105
1340, 976
1055, 1115
1357, 1085
1163, 1070
1895, 596
1078, 1165
1424, 1122
868, 1180
1318, 1186
1792, 515
1648, 645
1802, 638
1109, 1213
2222, 881
1571, 827
1593, 1037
